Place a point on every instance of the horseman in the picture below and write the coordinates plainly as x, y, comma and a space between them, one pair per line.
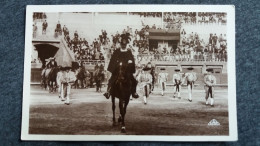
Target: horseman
122, 56
177, 81
210, 81
145, 79
191, 78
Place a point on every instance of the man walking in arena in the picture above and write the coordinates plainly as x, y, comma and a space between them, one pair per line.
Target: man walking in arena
210, 81
191, 78
122, 56
162, 78
177, 81
145, 80
68, 79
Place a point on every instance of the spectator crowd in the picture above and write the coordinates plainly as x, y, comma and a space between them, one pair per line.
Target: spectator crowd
175, 20
190, 48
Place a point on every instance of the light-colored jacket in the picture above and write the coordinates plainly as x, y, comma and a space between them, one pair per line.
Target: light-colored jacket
68, 77
145, 79
190, 76
177, 77
162, 77
210, 80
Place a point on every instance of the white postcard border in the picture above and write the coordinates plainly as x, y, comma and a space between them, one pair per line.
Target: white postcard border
229, 9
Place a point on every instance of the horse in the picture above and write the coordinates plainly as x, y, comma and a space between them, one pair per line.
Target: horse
81, 76
50, 76
121, 89
98, 77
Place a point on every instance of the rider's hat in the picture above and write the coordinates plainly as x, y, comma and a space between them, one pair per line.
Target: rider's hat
125, 38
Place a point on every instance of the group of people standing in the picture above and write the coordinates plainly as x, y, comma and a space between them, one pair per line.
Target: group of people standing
145, 77
189, 78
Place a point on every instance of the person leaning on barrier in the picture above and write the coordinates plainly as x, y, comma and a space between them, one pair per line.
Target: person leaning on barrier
210, 81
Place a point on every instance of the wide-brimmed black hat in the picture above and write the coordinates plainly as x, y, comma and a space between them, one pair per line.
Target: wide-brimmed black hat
177, 69
190, 68
146, 68
209, 69
162, 69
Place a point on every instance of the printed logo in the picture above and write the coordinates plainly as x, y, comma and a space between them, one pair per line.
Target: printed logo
213, 122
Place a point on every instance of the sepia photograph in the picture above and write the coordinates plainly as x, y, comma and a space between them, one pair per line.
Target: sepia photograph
130, 72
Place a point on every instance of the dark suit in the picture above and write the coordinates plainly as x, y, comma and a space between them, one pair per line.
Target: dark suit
125, 58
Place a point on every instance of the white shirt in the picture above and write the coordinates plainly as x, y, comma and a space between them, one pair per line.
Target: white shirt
163, 77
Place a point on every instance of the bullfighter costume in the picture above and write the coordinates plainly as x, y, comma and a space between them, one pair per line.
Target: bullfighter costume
145, 79
210, 81
68, 78
162, 78
191, 78
177, 81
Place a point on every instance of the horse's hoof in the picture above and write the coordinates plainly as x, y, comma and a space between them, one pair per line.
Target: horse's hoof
123, 130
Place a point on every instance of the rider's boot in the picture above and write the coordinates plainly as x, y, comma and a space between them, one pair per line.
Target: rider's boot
134, 94
107, 94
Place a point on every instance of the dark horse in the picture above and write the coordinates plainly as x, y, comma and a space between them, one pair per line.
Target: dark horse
121, 89
51, 78
81, 76
98, 77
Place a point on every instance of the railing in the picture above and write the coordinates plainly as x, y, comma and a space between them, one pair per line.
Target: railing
182, 57
91, 62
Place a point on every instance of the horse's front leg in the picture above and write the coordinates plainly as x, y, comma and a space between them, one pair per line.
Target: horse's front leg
113, 108
122, 105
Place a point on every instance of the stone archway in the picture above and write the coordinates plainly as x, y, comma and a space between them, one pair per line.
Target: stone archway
46, 51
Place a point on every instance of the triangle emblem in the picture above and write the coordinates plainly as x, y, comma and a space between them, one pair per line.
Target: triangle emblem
213, 122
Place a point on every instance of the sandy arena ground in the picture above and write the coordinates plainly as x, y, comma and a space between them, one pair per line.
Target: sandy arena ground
91, 114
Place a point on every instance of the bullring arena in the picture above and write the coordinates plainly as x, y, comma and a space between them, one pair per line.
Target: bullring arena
163, 43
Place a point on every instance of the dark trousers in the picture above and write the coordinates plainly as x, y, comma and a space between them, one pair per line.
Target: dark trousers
209, 92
